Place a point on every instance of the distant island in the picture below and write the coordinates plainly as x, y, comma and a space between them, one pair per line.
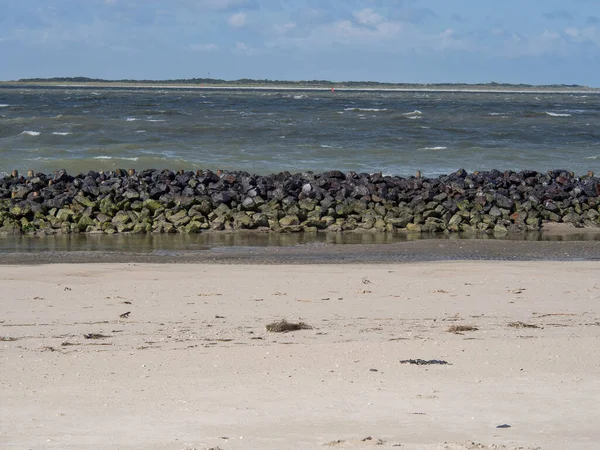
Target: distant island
247, 83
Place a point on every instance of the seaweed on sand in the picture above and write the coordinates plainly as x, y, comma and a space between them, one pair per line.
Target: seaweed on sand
461, 328
284, 326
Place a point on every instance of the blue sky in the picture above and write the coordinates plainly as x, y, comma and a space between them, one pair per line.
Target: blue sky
528, 41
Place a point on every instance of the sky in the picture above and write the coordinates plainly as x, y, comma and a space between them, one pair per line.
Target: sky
411, 41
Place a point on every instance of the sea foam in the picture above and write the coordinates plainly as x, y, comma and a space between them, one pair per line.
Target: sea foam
416, 114
118, 157
366, 109
4, 105
31, 133
553, 114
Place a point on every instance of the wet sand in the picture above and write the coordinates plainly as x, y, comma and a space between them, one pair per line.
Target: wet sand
184, 251
191, 366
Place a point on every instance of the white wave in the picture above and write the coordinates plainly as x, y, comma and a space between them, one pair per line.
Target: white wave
31, 133
4, 105
416, 112
553, 114
366, 109
592, 157
326, 146
110, 157
155, 120
61, 133
497, 114
434, 148
39, 158
140, 131
298, 97
131, 119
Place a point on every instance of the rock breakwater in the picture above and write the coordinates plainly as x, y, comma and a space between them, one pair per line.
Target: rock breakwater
165, 201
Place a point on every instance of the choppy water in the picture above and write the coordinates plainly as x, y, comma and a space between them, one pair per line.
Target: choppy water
81, 129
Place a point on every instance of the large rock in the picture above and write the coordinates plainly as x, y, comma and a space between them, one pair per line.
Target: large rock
288, 221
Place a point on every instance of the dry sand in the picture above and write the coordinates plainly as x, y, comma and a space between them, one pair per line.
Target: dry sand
193, 367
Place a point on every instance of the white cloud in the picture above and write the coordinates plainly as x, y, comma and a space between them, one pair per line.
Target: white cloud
221, 5
244, 49
238, 20
368, 17
368, 29
546, 43
590, 35
203, 47
285, 28
572, 32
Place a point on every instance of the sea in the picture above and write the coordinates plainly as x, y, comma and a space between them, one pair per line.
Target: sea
266, 131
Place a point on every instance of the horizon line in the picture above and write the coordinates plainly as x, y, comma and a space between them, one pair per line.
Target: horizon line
265, 81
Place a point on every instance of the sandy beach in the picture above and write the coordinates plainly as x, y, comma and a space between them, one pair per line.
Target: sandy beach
161, 356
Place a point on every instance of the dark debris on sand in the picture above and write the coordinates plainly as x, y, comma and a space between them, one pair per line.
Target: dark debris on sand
283, 326
424, 362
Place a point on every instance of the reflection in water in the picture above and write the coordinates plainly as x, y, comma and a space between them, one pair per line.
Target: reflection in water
207, 241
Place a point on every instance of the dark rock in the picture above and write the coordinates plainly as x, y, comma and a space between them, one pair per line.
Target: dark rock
166, 201
504, 202
61, 175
